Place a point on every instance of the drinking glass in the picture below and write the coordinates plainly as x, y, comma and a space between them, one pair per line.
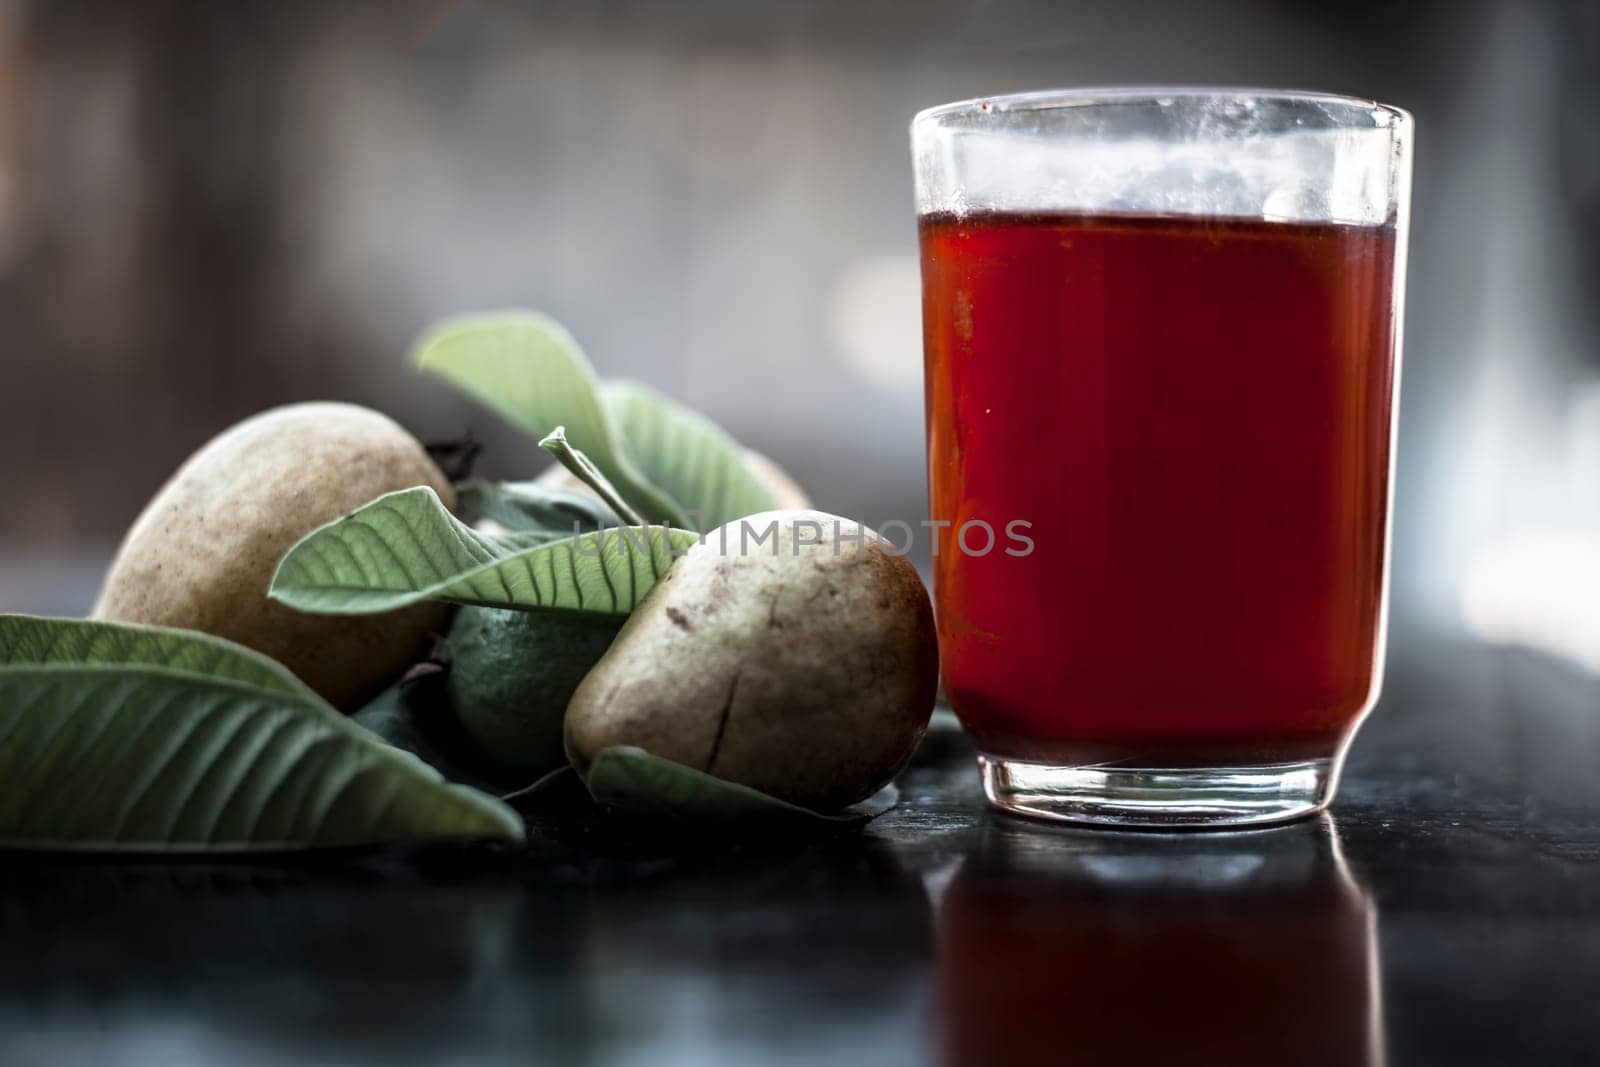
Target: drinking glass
1161, 341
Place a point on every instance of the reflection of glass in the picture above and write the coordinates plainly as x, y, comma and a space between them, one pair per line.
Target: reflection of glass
1248, 949
1160, 332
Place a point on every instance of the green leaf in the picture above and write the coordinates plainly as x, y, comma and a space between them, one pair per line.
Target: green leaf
687, 455
529, 507
528, 368
33, 641
637, 781
582, 468
120, 742
406, 546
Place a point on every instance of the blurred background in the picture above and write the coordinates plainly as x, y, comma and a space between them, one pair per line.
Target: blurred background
210, 208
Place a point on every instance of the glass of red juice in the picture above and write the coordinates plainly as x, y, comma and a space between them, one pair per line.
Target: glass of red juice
1161, 339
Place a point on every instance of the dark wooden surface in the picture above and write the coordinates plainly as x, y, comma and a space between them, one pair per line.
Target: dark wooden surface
1448, 912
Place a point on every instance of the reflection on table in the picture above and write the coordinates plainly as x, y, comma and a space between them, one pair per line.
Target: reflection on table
1096, 948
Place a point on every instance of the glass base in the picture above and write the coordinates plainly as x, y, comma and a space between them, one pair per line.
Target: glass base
1159, 798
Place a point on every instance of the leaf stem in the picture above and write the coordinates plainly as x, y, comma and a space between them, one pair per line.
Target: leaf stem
583, 468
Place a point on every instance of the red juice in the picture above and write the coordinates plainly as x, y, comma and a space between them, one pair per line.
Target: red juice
1193, 414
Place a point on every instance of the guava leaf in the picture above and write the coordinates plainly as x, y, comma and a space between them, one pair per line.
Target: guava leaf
636, 781
529, 507
687, 455
122, 742
526, 367
406, 546
581, 467
35, 641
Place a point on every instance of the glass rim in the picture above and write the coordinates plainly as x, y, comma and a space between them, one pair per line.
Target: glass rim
1395, 118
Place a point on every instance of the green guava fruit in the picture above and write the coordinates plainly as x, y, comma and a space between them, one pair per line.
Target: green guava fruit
511, 674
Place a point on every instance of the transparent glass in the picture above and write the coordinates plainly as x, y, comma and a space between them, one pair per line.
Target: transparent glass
1161, 337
